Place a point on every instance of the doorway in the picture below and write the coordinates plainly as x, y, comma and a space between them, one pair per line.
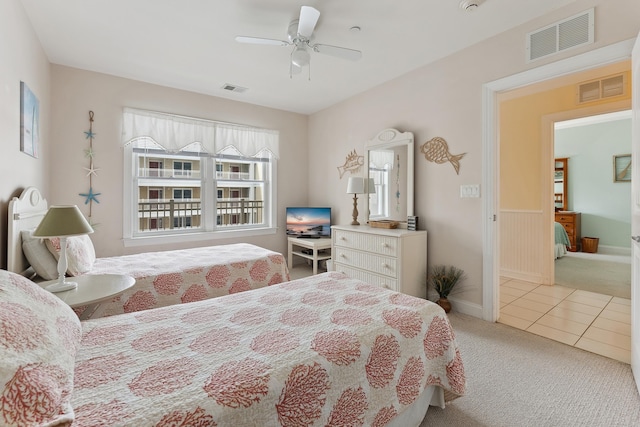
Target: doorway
491, 202
601, 198
527, 215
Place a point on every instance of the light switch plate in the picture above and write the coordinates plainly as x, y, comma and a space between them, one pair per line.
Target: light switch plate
470, 190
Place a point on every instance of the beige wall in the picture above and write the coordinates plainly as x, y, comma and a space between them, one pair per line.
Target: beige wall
76, 92
444, 99
21, 59
521, 132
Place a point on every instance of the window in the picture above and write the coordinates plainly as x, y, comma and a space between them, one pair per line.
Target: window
201, 192
182, 193
181, 168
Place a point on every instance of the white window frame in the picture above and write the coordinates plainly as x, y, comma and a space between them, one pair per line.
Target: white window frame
209, 228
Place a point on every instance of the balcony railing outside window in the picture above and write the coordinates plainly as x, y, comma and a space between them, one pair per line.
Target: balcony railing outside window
168, 173
232, 176
153, 212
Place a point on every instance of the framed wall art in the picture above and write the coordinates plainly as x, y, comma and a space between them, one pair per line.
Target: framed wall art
622, 168
29, 121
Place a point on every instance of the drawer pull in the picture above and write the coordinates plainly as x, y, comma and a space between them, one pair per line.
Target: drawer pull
385, 265
343, 256
384, 285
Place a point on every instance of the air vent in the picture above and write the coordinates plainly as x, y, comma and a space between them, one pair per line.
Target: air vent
234, 88
600, 89
566, 34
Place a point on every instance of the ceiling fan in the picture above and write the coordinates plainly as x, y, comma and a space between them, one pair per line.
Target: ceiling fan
300, 35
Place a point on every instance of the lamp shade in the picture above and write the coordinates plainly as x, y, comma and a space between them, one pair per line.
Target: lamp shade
355, 185
300, 56
63, 221
371, 186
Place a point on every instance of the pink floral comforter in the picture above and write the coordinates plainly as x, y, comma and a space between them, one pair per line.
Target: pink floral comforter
179, 276
324, 350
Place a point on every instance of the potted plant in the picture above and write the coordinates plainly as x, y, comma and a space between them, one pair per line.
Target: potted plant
443, 278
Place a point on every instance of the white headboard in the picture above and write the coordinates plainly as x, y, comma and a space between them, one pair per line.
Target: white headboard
25, 213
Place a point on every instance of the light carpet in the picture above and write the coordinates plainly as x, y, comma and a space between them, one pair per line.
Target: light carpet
594, 275
518, 379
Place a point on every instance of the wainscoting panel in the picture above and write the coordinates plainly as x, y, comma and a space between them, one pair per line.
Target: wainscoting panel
522, 246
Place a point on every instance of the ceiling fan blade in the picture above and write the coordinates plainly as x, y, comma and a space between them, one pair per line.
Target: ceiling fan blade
308, 20
258, 40
337, 51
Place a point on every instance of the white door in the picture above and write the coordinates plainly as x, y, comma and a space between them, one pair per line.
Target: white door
635, 214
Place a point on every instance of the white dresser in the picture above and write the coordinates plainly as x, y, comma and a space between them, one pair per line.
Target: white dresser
393, 258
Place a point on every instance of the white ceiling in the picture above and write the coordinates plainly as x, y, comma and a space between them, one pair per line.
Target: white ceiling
190, 44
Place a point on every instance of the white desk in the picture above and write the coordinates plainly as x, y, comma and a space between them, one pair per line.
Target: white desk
92, 290
321, 244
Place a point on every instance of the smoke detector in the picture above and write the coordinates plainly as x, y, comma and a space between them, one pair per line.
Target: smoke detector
470, 5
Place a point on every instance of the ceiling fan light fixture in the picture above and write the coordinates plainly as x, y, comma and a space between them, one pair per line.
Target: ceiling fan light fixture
300, 56
295, 69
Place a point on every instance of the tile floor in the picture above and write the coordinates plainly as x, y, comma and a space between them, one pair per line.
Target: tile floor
593, 322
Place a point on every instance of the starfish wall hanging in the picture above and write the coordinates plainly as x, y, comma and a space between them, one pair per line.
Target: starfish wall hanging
92, 171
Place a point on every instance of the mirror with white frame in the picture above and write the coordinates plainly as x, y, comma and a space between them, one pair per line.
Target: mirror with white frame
389, 160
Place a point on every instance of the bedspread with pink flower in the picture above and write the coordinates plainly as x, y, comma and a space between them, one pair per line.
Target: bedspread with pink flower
188, 275
320, 351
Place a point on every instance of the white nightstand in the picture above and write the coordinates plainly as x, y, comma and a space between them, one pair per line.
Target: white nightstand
314, 245
92, 290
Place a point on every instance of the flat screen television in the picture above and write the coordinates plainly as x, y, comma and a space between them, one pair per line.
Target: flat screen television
309, 222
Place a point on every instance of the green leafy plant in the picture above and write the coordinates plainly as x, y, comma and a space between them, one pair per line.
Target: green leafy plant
443, 278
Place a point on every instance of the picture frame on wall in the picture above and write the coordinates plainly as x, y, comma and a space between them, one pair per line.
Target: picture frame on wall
622, 168
29, 121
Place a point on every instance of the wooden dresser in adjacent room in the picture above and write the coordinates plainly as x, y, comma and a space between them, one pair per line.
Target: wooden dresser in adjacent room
395, 259
571, 223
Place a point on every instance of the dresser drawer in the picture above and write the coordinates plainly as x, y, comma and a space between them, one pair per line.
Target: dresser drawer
565, 218
365, 276
568, 227
383, 245
374, 263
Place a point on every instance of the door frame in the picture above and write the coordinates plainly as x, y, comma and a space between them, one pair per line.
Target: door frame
490, 154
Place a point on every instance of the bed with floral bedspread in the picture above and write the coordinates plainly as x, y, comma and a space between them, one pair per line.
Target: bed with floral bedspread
162, 278
180, 276
319, 351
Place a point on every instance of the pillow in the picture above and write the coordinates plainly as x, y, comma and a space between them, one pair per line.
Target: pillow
38, 345
80, 253
38, 255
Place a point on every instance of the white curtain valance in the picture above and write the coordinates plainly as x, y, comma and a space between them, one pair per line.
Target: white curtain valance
381, 159
174, 133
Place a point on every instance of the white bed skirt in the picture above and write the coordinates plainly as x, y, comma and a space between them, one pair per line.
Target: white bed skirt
560, 250
414, 414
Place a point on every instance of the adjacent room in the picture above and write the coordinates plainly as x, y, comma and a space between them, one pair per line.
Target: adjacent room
589, 304
232, 213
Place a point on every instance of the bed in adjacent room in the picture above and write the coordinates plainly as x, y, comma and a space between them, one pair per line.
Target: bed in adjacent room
323, 350
561, 241
162, 278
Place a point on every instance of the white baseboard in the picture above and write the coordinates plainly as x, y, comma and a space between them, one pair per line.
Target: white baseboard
614, 250
466, 307
527, 277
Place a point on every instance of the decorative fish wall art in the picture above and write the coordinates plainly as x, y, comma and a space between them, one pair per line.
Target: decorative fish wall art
436, 150
352, 163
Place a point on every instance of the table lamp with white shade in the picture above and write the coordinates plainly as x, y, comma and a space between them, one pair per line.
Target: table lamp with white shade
355, 186
62, 222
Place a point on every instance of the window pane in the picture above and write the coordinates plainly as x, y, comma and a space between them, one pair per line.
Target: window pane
241, 192
169, 200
